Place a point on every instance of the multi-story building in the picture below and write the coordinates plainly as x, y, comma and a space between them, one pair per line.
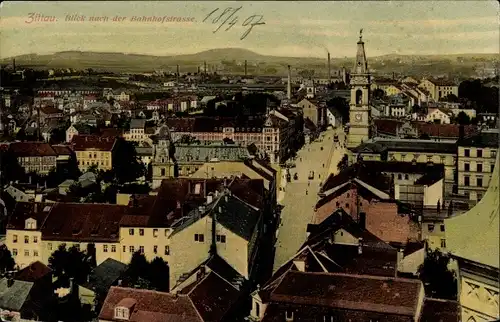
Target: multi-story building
359, 106
315, 110
34, 156
94, 150
181, 224
139, 132
472, 239
439, 88
438, 115
476, 160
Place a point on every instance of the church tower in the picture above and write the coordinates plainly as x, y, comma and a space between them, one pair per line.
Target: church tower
359, 107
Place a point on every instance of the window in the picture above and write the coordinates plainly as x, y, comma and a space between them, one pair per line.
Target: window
442, 227
155, 232
221, 239
141, 232
167, 250
442, 159
35, 253
467, 152
124, 249
131, 232
155, 249
493, 154
113, 248
400, 176
26, 253
26, 239
289, 315
430, 228
479, 196
131, 249
14, 252
466, 167
199, 238
35, 239
77, 246
105, 248
479, 182
479, 167
14, 238
466, 181
429, 158
338, 204
406, 177
347, 205
492, 167
479, 153
141, 249
121, 313
443, 243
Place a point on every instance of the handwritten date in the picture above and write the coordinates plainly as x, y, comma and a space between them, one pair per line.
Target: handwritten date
228, 18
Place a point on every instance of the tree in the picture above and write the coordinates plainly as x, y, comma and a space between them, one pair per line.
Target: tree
126, 164
158, 269
7, 263
378, 93
71, 263
463, 119
452, 98
152, 275
439, 281
10, 168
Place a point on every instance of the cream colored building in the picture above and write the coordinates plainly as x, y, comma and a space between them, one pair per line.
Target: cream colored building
25, 244
93, 150
439, 88
476, 160
393, 90
438, 115
473, 240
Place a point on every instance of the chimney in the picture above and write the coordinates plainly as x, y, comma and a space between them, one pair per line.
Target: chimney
360, 246
329, 70
35, 208
201, 273
245, 68
14, 64
400, 256
289, 86
205, 67
10, 281
119, 283
178, 206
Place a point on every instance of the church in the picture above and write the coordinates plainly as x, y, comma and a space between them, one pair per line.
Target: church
359, 106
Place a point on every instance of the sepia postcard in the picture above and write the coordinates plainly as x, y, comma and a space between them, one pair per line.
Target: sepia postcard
258, 161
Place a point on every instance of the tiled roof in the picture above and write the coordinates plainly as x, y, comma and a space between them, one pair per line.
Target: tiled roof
25, 210
442, 82
214, 124
92, 142
32, 149
350, 292
151, 306
480, 140
237, 216
205, 153
84, 222
137, 124
13, 297
403, 167
104, 275
62, 149
436, 310
361, 171
33, 272
48, 110
406, 145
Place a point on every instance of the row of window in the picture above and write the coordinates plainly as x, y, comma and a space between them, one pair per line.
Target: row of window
430, 227
102, 155
416, 156
479, 167
131, 232
479, 153
37, 159
26, 252
479, 181
141, 249
201, 238
106, 162
26, 239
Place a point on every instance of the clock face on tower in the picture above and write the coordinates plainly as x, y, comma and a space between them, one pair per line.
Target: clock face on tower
358, 117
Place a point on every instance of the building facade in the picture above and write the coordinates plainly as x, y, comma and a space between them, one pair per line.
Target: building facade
359, 107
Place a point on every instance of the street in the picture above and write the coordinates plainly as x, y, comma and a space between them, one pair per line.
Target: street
300, 196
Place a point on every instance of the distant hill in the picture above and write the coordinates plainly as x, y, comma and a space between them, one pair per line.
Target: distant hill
232, 59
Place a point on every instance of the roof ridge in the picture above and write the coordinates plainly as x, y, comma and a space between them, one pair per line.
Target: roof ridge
361, 276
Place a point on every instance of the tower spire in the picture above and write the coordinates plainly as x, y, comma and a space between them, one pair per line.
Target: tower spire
361, 66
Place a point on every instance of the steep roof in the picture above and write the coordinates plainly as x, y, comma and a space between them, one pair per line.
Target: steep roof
151, 306
32, 149
480, 140
33, 272
104, 275
352, 292
13, 297
474, 235
93, 142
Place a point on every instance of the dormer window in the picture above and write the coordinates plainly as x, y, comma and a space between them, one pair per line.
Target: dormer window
30, 223
289, 316
121, 313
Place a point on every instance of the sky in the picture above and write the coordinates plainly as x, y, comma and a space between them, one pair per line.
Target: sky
292, 28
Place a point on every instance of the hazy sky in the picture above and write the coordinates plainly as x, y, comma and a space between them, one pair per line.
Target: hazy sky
293, 28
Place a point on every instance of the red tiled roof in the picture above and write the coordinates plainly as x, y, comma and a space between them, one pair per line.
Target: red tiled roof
84, 222
349, 292
444, 130
387, 126
150, 306
33, 272
93, 142
62, 149
24, 210
32, 149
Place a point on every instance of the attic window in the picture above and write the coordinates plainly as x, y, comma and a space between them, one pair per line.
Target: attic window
197, 188
121, 313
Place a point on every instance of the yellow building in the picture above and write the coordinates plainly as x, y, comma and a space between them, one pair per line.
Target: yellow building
474, 241
34, 156
393, 90
476, 159
93, 150
439, 88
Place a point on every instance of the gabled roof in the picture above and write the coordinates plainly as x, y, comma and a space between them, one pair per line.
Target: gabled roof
351, 292
105, 275
33, 272
480, 140
32, 149
93, 142
151, 306
13, 297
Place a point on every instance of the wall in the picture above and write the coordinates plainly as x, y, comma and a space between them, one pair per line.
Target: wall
435, 235
186, 254
151, 237
234, 251
49, 246
88, 158
434, 193
481, 302
20, 246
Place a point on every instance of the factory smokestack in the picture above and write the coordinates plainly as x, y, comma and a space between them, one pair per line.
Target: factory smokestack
245, 68
329, 70
205, 67
14, 64
178, 74
289, 86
